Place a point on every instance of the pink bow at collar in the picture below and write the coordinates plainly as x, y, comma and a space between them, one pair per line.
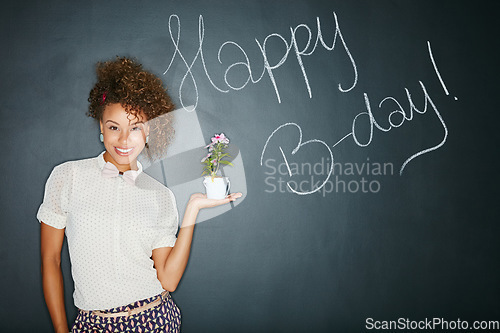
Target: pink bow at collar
110, 170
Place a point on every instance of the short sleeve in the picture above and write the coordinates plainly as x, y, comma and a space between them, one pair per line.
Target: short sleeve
168, 221
54, 209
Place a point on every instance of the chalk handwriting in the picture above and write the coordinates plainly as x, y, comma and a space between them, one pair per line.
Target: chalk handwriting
395, 119
437, 71
308, 49
189, 66
399, 112
404, 115
300, 144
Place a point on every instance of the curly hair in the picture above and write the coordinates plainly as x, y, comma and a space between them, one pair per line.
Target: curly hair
137, 90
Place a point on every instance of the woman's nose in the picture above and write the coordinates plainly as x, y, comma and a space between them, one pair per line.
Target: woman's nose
123, 137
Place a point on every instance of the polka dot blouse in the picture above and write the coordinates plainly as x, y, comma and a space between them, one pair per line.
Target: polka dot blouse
112, 228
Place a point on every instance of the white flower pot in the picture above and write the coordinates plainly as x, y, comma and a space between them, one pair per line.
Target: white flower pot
218, 188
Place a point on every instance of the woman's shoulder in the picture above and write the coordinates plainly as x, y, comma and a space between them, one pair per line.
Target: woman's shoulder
68, 167
79, 162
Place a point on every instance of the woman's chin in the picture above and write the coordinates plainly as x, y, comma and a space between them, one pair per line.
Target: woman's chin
124, 159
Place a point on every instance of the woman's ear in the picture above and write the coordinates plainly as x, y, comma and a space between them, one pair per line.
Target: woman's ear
100, 125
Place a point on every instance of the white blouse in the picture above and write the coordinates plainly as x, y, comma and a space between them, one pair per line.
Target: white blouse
112, 228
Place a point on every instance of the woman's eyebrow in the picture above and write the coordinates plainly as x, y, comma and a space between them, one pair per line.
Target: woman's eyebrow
132, 124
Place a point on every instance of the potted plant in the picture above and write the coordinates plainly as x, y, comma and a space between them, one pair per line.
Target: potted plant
217, 186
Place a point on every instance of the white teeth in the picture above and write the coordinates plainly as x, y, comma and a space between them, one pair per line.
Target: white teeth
124, 150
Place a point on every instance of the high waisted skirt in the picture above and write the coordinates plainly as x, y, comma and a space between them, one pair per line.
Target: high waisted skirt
164, 317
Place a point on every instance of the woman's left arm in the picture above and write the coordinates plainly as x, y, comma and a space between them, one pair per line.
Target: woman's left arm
170, 262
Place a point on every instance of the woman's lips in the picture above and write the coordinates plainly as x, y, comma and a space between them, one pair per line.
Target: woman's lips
123, 151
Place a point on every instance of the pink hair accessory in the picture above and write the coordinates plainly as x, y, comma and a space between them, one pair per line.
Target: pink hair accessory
103, 97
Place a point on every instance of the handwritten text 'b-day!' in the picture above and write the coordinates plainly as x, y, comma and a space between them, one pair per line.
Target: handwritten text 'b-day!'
395, 119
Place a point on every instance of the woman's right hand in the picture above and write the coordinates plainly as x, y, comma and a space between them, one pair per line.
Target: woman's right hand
200, 200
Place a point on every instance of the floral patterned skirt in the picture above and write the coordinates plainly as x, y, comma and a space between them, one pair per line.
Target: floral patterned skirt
164, 317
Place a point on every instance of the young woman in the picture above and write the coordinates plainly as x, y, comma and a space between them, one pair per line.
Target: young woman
120, 223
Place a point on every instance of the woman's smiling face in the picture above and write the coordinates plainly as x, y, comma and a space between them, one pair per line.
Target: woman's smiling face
124, 136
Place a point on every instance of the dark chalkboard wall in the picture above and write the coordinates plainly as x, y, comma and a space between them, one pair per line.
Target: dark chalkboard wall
370, 242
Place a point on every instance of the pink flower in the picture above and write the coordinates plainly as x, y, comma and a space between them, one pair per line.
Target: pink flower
223, 139
220, 138
205, 158
219, 142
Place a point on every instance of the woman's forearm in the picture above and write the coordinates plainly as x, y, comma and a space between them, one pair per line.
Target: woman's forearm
177, 260
53, 290
171, 265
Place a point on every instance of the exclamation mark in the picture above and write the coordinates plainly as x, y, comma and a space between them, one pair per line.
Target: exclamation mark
437, 71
